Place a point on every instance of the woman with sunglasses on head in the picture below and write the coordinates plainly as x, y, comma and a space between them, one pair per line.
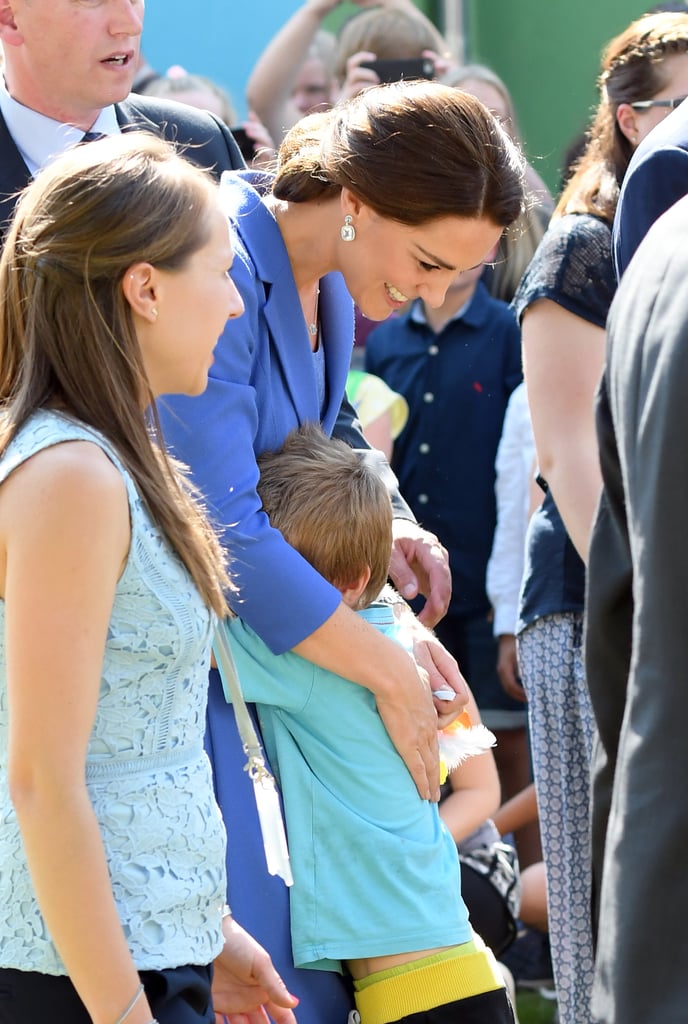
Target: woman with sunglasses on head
562, 303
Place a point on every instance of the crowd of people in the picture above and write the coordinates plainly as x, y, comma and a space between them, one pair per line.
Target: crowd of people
390, 534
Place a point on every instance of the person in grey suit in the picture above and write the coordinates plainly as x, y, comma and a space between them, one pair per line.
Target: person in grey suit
656, 178
637, 640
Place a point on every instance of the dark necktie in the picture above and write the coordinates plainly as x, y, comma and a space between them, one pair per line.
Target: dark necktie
93, 136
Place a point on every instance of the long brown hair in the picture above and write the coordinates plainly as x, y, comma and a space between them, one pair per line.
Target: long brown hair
633, 69
412, 151
67, 335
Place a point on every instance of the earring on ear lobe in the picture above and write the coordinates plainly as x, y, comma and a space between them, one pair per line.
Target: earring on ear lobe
348, 231
154, 313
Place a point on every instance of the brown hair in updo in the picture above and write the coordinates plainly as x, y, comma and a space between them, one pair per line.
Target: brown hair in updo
412, 151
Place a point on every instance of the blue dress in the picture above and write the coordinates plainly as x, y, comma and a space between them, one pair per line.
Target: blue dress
263, 384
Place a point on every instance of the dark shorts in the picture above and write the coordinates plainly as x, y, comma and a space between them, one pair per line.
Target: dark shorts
488, 1008
471, 641
180, 995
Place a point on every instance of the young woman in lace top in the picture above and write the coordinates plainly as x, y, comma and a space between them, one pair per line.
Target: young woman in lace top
115, 287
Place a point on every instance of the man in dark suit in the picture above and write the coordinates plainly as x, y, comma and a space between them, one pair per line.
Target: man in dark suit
656, 178
68, 73
637, 637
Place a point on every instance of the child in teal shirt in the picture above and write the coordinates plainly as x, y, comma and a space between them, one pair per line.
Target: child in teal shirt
377, 888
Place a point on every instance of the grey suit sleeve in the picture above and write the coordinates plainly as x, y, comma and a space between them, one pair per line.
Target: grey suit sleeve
644, 892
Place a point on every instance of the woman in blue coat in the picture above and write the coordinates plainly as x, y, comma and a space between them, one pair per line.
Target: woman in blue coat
381, 200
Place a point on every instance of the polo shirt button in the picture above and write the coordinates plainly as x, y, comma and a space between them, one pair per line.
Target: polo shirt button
424, 448
428, 397
423, 499
433, 350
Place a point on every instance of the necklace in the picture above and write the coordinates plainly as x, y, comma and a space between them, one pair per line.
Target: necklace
313, 325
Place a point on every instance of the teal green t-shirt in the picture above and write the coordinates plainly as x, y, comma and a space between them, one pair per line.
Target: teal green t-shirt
376, 872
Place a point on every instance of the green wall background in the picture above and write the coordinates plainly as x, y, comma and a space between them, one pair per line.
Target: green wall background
548, 53
346, 10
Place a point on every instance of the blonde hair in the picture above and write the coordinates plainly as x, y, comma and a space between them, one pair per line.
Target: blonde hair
481, 73
331, 506
67, 334
521, 238
169, 87
388, 34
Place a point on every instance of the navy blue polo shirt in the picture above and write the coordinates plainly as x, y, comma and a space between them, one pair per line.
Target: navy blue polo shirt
457, 384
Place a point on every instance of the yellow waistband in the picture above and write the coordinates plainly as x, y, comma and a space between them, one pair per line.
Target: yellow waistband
427, 983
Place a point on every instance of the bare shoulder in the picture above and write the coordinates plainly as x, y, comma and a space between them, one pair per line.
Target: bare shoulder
80, 465
72, 479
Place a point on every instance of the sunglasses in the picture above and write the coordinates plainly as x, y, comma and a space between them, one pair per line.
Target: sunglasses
646, 104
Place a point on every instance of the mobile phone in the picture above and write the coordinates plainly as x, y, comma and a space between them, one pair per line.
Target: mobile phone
396, 70
244, 142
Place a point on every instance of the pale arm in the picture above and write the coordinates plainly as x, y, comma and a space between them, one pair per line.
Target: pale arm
62, 566
563, 357
378, 433
272, 80
521, 810
475, 791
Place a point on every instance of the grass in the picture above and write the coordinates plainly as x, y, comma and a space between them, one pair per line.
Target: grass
532, 1008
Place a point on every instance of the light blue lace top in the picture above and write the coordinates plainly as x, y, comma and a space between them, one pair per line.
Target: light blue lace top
147, 773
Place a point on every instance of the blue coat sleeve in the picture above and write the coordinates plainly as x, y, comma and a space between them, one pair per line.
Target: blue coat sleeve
219, 435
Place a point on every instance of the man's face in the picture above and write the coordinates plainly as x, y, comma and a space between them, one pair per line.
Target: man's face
70, 58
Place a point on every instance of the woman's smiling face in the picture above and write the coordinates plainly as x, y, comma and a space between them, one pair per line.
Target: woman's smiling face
389, 263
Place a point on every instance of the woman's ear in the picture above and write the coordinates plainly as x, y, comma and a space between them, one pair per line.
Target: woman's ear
141, 290
627, 120
351, 204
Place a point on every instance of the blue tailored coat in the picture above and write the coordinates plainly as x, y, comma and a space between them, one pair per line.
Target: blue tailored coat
262, 385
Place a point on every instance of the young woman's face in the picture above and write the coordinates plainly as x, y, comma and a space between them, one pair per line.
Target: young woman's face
389, 263
675, 68
193, 305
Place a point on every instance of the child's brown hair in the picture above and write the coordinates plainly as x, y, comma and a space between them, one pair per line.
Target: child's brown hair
331, 505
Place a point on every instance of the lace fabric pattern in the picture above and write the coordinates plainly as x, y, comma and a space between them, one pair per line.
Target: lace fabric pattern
147, 773
573, 267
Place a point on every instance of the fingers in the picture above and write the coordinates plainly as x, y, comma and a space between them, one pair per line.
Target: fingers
507, 668
277, 992
405, 580
420, 564
279, 1014
411, 721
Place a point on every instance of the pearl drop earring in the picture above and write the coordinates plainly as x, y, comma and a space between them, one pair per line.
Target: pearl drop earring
348, 231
